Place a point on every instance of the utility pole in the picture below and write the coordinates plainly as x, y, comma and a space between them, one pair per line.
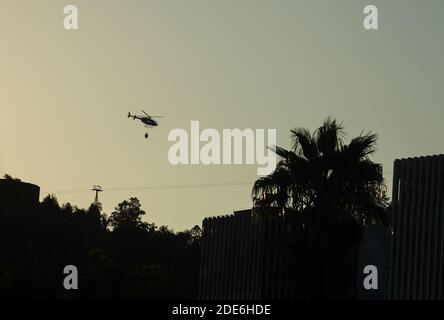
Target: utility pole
97, 189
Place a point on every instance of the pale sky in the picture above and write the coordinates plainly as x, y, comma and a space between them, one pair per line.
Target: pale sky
227, 63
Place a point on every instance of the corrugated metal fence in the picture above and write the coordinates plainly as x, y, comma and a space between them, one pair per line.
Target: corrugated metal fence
241, 258
417, 253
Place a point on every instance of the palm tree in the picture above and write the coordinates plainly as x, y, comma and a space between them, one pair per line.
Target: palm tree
328, 191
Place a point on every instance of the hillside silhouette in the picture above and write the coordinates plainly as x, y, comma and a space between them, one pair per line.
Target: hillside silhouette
118, 257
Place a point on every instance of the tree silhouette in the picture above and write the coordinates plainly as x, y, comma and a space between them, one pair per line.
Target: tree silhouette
130, 260
9, 177
328, 191
127, 214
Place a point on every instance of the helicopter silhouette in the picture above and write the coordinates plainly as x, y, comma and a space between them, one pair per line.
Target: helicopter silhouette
147, 120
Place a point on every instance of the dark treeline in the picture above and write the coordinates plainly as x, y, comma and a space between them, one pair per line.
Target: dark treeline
118, 257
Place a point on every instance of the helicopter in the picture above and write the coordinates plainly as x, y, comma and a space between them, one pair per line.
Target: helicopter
146, 119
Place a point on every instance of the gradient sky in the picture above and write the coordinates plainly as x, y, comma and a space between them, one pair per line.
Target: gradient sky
227, 63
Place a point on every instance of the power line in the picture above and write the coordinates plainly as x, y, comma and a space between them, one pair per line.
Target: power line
159, 187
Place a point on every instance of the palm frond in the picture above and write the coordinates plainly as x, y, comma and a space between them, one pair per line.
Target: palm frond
361, 147
303, 143
329, 137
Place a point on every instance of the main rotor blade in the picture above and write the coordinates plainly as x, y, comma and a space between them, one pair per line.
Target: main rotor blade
146, 113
